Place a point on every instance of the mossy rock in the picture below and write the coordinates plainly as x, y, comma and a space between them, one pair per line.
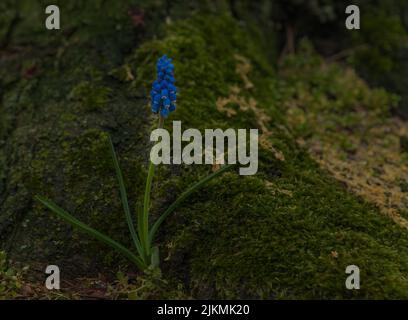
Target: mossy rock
53, 133
288, 232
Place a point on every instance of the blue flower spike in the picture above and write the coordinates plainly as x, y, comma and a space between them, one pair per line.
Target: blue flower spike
164, 92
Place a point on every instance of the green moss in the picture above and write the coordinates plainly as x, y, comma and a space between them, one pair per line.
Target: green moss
290, 231
90, 96
88, 151
10, 281
53, 136
287, 232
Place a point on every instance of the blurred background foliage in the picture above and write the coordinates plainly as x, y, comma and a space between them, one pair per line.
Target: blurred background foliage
378, 51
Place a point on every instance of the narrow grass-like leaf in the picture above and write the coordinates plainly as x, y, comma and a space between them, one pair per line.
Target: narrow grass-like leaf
139, 214
92, 232
183, 196
124, 198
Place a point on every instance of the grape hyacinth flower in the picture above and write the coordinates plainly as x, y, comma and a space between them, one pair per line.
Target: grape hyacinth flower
164, 92
145, 254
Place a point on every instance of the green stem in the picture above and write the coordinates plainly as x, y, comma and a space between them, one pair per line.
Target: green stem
146, 203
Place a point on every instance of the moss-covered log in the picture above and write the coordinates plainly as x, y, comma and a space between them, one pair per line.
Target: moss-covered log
287, 232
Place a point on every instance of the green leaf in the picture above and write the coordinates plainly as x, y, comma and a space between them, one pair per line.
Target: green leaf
184, 196
92, 232
139, 214
124, 198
